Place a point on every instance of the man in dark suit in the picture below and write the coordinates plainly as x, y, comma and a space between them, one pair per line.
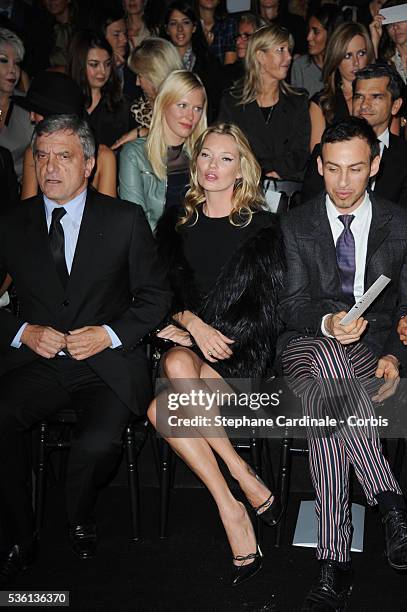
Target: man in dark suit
90, 287
336, 247
377, 91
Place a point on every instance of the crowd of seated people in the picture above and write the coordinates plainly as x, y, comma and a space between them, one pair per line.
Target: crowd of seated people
146, 151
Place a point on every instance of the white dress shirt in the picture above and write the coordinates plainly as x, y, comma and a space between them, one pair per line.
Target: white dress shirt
71, 224
360, 229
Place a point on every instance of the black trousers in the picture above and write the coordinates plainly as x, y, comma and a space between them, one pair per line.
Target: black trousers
40, 389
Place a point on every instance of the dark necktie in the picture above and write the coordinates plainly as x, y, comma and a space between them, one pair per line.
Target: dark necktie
345, 255
57, 243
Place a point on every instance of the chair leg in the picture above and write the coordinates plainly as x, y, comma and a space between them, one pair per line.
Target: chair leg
155, 444
64, 456
165, 485
283, 485
255, 450
40, 482
399, 457
267, 465
133, 481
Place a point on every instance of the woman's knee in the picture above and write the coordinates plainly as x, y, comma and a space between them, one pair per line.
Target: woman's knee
152, 413
179, 363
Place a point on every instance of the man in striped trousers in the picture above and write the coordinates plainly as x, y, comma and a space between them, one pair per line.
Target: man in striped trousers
336, 247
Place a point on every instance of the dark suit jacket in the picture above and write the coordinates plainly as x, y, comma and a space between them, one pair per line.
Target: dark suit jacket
116, 279
391, 180
313, 287
283, 144
8, 180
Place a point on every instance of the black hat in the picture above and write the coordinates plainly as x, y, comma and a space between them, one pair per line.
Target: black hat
53, 93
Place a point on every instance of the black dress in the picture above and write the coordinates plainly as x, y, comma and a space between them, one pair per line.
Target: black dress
108, 126
210, 243
341, 110
280, 142
229, 276
177, 176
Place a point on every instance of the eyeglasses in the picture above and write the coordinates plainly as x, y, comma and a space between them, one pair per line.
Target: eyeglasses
245, 36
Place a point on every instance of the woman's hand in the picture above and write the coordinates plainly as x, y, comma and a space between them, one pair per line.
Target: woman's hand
273, 174
376, 32
212, 343
175, 334
129, 137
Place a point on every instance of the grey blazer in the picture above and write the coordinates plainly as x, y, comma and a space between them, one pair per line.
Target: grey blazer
313, 288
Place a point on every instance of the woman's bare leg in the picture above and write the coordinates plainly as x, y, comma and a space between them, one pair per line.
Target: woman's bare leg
255, 491
182, 365
198, 455
186, 370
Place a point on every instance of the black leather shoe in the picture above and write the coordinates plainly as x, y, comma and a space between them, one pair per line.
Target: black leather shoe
14, 561
242, 573
395, 530
83, 540
333, 589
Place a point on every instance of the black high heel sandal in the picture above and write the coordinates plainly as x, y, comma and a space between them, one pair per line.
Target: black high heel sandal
273, 509
273, 513
242, 573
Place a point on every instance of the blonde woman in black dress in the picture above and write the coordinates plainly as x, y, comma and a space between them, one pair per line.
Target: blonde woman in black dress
225, 263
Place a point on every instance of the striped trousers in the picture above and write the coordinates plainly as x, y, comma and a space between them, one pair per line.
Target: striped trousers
338, 381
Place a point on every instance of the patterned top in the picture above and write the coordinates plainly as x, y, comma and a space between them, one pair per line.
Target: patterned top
141, 112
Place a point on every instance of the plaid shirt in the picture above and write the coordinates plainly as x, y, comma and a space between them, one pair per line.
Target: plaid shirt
224, 37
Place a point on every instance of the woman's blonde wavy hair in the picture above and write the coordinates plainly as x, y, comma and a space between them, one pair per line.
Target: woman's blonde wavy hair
263, 39
176, 86
155, 59
247, 194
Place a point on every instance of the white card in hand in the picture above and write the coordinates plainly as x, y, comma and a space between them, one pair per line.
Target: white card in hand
394, 14
272, 199
367, 298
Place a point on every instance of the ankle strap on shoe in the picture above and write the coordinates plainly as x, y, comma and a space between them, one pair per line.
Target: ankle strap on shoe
247, 557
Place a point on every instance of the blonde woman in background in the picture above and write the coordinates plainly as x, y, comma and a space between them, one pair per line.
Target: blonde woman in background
15, 126
152, 61
154, 172
272, 115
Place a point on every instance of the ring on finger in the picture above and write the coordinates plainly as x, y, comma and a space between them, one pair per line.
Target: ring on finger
210, 353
